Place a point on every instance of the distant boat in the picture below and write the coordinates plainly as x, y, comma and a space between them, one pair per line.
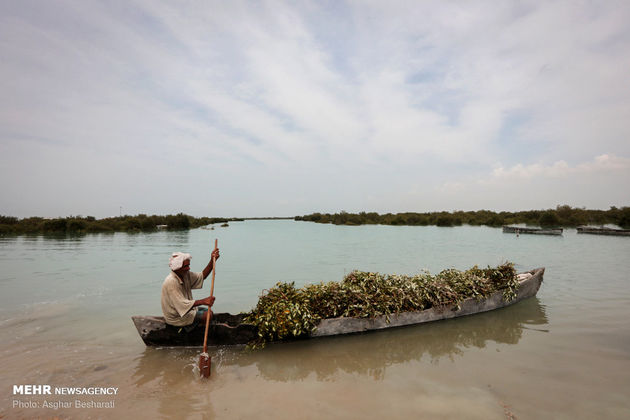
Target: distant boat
227, 329
535, 231
603, 231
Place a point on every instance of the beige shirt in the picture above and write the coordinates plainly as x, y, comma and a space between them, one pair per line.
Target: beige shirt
177, 300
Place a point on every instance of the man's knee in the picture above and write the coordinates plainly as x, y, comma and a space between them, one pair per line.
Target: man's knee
203, 316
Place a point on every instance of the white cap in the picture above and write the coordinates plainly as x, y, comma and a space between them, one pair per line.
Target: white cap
177, 260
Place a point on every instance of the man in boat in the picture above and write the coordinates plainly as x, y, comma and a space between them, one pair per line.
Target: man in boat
178, 305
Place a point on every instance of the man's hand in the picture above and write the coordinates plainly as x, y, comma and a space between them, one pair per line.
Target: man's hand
213, 257
209, 301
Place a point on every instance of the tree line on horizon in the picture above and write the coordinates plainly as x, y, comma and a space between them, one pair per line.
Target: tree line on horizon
89, 224
561, 216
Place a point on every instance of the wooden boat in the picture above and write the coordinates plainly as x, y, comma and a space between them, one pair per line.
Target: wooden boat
227, 329
603, 231
534, 231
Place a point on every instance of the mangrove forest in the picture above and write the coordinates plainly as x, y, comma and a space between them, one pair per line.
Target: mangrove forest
89, 224
561, 216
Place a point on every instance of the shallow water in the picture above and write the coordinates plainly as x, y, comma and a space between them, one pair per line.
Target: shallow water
66, 304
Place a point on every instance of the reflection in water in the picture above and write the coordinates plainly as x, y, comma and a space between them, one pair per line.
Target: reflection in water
176, 374
33, 241
63, 237
178, 237
364, 354
75, 239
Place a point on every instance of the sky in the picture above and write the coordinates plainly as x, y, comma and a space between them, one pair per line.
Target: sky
270, 108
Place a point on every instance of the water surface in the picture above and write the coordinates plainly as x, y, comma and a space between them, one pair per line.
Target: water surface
66, 303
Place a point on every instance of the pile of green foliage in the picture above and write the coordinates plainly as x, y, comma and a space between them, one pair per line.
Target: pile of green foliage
287, 312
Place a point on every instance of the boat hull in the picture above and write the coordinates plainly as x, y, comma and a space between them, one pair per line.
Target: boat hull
336, 326
532, 231
603, 231
226, 329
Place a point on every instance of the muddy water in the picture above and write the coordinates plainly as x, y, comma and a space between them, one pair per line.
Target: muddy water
66, 305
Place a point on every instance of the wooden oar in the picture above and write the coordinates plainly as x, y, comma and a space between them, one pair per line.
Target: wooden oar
204, 358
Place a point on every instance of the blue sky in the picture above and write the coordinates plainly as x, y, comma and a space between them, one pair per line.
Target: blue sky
217, 108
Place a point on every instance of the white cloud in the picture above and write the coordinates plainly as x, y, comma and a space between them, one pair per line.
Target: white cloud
597, 183
560, 169
369, 99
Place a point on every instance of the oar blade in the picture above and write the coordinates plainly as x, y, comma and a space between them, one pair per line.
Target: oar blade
204, 365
